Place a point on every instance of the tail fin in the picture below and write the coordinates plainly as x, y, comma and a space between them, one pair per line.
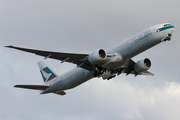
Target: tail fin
46, 72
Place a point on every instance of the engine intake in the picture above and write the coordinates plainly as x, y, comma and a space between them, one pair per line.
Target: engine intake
97, 56
142, 65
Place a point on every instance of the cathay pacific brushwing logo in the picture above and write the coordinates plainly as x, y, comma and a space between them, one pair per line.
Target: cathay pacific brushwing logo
47, 74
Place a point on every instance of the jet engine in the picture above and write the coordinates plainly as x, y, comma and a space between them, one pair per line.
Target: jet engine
142, 65
97, 56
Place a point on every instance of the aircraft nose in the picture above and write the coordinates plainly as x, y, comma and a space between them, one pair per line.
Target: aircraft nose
171, 30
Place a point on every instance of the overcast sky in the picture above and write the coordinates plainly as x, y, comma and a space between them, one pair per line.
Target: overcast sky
82, 26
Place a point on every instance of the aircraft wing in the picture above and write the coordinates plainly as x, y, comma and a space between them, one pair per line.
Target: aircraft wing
64, 57
147, 73
129, 69
34, 87
80, 60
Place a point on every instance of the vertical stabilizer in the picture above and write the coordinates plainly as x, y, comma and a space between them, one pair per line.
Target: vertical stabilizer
46, 72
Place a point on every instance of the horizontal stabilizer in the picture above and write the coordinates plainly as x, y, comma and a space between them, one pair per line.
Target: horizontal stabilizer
34, 87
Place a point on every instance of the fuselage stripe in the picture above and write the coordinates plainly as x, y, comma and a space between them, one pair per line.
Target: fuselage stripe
51, 79
165, 28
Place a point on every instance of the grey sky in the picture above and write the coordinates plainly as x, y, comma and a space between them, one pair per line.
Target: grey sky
82, 26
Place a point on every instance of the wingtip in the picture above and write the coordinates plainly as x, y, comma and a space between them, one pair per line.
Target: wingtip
10, 46
16, 86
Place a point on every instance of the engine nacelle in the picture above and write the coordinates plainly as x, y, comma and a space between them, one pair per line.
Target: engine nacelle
142, 65
97, 56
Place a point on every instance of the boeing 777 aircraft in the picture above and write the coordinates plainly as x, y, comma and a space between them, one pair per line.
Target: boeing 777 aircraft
100, 63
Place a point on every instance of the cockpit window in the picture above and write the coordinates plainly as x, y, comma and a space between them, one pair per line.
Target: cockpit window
167, 24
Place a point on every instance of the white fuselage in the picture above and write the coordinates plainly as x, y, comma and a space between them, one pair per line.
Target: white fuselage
127, 49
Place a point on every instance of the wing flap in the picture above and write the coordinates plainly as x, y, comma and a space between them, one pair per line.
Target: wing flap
34, 87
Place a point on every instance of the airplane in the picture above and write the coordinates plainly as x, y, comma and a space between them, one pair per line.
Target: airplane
100, 63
